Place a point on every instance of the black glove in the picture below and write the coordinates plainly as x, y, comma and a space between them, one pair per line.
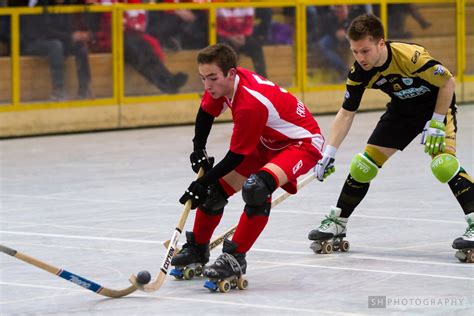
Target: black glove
197, 193
200, 159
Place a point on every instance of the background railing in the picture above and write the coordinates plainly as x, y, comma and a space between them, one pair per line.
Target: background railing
294, 55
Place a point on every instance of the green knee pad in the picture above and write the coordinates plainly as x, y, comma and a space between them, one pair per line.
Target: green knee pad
445, 167
363, 169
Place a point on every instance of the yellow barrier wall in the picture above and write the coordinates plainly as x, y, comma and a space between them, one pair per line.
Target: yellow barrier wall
124, 99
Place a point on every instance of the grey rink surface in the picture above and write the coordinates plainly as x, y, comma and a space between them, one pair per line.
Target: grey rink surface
100, 205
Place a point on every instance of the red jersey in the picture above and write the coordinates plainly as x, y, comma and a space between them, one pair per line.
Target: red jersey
264, 112
235, 21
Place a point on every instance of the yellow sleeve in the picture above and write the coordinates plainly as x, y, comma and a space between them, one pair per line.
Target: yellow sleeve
422, 65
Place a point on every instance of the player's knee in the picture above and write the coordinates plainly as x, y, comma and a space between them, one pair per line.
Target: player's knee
258, 188
259, 210
256, 193
215, 201
445, 167
362, 168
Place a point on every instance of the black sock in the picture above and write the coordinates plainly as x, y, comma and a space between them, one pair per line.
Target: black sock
463, 189
353, 192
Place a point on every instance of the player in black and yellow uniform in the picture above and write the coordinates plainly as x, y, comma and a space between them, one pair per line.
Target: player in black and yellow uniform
422, 101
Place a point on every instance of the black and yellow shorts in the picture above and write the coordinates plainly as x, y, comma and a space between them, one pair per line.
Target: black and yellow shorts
397, 131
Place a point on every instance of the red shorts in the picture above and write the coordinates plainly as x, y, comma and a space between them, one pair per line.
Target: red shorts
295, 160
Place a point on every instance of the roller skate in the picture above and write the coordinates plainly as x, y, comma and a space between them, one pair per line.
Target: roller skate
189, 262
330, 234
227, 272
465, 243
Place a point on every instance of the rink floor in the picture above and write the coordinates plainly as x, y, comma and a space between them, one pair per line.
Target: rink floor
100, 205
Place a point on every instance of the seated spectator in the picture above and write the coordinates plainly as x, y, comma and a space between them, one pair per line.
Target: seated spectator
179, 29
141, 50
235, 27
261, 31
333, 25
4, 35
359, 9
53, 36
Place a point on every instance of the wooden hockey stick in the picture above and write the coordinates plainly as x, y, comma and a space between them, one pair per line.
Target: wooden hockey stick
71, 277
220, 239
158, 281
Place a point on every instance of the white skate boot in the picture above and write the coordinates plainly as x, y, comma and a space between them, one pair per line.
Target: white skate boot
465, 243
330, 234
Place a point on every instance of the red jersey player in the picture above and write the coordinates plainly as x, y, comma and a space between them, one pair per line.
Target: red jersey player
275, 139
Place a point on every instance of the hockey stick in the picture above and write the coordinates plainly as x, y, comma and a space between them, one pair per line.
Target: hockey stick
71, 277
220, 239
158, 281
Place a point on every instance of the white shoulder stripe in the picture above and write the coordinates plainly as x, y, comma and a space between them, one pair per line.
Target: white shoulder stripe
286, 128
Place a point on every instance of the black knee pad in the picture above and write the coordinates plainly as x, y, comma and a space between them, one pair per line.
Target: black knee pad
262, 210
215, 201
256, 193
258, 188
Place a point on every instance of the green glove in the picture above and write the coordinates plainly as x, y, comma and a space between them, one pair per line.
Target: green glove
434, 137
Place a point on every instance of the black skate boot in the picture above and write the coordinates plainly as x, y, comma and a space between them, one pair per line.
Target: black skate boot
465, 243
190, 261
330, 234
227, 271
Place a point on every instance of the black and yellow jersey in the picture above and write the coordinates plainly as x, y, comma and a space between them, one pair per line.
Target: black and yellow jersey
410, 76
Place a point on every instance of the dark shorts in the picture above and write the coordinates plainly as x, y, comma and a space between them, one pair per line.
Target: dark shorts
397, 131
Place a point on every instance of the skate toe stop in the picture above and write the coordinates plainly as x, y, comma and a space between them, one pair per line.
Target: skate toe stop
210, 285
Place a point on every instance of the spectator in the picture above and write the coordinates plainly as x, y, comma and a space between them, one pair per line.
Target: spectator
333, 26
235, 27
356, 10
4, 35
262, 29
53, 36
397, 16
142, 51
179, 29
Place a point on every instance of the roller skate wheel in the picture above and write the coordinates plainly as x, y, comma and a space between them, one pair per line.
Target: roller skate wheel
233, 284
327, 248
344, 246
189, 273
470, 256
177, 273
336, 244
198, 271
316, 246
461, 256
242, 283
224, 286
210, 285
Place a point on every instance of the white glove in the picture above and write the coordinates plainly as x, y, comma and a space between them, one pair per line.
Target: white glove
325, 166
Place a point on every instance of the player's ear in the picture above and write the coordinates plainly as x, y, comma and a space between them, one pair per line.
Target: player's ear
382, 42
232, 73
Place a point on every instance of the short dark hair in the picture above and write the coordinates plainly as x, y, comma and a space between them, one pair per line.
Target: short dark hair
222, 54
366, 25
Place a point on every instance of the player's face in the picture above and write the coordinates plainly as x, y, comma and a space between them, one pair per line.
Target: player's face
368, 53
215, 83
